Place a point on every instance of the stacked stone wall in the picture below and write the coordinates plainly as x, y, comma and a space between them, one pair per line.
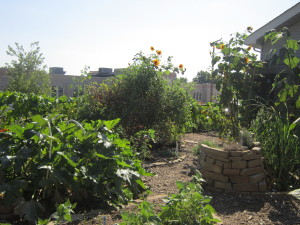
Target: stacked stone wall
233, 170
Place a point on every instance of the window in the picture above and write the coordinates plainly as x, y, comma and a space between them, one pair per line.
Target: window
57, 91
197, 96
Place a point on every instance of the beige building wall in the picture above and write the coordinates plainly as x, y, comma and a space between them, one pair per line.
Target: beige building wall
204, 93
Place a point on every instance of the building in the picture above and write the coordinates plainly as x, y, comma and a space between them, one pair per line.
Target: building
290, 19
204, 93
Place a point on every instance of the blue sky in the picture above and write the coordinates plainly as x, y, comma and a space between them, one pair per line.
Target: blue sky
97, 33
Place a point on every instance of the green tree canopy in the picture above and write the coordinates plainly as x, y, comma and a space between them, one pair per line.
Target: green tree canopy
203, 77
26, 71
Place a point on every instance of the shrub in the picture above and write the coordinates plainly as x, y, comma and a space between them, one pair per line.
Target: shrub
53, 158
144, 100
280, 145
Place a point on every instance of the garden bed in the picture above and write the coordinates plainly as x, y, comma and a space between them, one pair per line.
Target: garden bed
264, 208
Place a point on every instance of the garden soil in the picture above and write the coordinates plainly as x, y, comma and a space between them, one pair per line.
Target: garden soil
265, 208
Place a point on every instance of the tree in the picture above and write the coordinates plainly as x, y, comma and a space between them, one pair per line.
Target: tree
203, 77
27, 73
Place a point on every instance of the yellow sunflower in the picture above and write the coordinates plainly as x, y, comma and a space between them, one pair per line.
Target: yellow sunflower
221, 46
156, 62
152, 48
180, 66
247, 60
158, 52
249, 48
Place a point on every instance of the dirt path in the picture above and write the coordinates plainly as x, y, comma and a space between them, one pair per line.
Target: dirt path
231, 208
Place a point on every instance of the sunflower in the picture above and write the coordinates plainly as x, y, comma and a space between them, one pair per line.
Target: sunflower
158, 52
246, 60
152, 48
249, 48
180, 66
221, 46
156, 62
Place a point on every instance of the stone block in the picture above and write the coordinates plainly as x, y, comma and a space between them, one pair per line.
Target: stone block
210, 160
229, 172
254, 163
239, 179
213, 168
262, 185
251, 171
214, 152
235, 153
219, 163
239, 164
235, 158
251, 156
256, 144
256, 150
213, 175
257, 178
245, 187
222, 185
226, 165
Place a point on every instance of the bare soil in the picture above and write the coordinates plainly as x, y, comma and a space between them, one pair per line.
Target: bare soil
266, 208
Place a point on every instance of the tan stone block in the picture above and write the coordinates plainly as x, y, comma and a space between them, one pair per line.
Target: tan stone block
254, 163
214, 176
209, 181
256, 150
245, 187
251, 171
262, 185
210, 160
235, 159
213, 189
251, 156
257, 144
222, 159
213, 168
214, 152
231, 171
239, 179
222, 185
257, 178
239, 164
219, 163
236, 153
226, 165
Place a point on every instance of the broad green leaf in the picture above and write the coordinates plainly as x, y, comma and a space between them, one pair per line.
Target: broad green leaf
293, 44
292, 62
110, 124
68, 159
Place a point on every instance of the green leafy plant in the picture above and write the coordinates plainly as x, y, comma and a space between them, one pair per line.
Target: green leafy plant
143, 99
287, 82
234, 68
54, 156
280, 144
146, 215
189, 206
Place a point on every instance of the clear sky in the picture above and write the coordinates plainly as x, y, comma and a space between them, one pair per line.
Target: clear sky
108, 33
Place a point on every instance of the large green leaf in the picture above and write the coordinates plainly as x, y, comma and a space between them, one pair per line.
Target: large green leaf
29, 210
292, 62
293, 44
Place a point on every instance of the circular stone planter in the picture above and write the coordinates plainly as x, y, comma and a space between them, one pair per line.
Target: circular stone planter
233, 170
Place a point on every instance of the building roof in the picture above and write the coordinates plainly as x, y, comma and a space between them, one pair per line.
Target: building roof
286, 19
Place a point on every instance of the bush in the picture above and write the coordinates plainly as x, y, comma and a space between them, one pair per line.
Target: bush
53, 158
280, 145
144, 100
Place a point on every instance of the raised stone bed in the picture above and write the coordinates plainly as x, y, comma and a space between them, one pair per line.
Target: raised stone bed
233, 170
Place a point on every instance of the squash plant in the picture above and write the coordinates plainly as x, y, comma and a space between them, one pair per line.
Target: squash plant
53, 158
